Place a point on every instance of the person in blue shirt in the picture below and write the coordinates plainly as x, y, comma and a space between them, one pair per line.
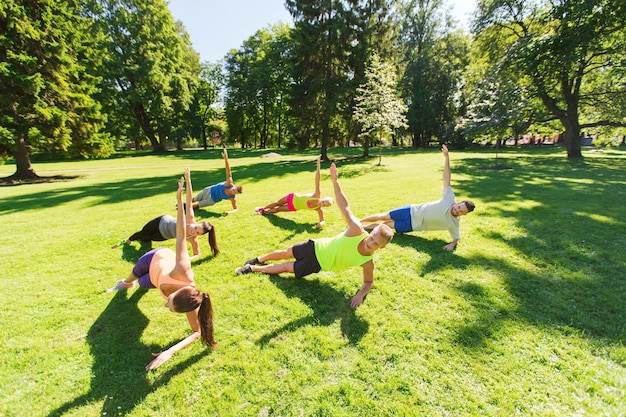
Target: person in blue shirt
226, 190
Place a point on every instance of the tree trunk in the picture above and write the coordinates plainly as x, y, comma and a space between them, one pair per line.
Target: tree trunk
24, 169
366, 147
572, 138
146, 127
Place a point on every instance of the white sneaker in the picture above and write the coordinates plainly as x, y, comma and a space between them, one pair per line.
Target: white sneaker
121, 285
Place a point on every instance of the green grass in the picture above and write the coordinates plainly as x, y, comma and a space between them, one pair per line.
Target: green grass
526, 317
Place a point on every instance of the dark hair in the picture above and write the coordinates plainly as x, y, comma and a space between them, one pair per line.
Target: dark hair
470, 205
188, 299
210, 229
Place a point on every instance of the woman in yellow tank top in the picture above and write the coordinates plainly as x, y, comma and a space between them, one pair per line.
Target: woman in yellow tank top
295, 202
170, 272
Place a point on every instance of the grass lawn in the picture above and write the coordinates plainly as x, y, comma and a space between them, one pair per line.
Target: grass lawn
526, 317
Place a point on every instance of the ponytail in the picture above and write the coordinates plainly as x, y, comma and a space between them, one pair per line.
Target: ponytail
205, 317
188, 299
213, 240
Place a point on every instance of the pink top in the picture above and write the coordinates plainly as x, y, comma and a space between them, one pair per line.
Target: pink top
161, 266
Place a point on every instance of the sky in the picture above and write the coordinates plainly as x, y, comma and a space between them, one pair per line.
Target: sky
217, 26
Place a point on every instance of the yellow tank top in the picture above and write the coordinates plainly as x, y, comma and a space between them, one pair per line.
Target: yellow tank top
340, 252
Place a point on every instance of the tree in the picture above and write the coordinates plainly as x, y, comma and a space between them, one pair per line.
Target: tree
46, 90
149, 65
557, 46
435, 58
378, 107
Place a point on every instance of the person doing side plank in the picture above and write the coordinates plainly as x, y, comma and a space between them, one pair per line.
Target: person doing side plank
164, 227
295, 202
170, 272
353, 247
443, 214
226, 190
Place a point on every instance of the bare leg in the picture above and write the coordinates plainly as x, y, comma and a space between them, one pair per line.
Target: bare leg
130, 279
378, 217
273, 269
277, 255
272, 207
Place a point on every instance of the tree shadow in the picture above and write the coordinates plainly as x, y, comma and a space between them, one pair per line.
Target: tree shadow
328, 305
137, 188
294, 227
119, 359
574, 211
439, 258
132, 254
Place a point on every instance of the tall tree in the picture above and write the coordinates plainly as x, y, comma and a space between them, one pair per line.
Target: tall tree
321, 39
435, 58
557, 46
378, 108
148, 64
46, 92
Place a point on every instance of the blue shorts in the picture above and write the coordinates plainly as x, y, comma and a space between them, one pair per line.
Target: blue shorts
306, 261
402, 219
142, 269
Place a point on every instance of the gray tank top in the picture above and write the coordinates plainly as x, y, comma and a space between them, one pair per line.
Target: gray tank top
167, 227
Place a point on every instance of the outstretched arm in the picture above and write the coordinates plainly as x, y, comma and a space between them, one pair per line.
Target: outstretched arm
182, 269
354, 226
318, 190
320, 213
189, 198
229, 175
233, 202
446, 167
162, 357
368, 282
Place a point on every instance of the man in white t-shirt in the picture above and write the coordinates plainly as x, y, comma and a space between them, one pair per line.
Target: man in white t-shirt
437, 215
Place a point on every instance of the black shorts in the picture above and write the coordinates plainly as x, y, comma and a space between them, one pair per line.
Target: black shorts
306, 261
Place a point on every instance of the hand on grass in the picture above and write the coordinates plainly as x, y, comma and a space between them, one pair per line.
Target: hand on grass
159, 359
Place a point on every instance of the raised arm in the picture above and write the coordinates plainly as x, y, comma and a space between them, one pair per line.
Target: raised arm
354, 226
189, 198
229, 175
318, 175
446, 166
182, 269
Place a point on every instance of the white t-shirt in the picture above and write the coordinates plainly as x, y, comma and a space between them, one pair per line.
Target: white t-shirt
436, 215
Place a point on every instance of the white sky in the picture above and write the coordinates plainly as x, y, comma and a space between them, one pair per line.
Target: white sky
217, 26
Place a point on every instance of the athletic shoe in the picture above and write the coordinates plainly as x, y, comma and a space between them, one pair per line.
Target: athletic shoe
259, 210
121, 285
253, 261
244, 270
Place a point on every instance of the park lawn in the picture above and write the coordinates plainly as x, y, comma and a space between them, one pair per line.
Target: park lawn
526, 317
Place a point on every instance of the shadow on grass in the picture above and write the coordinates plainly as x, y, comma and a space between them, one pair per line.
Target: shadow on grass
138, 188
132, 254
328, 305
119, 359
282, 222
568, 217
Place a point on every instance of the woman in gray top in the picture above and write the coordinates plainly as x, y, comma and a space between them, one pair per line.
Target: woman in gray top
164, 227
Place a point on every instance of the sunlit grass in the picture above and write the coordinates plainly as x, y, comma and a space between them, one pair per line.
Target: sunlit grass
526, 317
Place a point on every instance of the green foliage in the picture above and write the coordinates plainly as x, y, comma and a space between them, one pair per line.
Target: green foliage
436, 58
47, 87
526, 317
378, 108
556, 48
150, 70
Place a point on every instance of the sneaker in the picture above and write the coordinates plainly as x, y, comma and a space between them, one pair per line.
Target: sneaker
247, 269
121, 285
259, 210
253, 261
